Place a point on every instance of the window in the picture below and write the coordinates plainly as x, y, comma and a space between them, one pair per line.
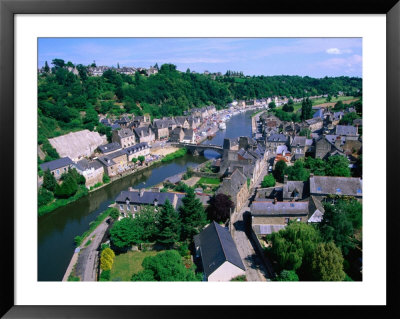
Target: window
287, 220
135, 208
318, 189
65, 169
359, 191
338, 190
121, 207
58, 172
128, 207
298, 219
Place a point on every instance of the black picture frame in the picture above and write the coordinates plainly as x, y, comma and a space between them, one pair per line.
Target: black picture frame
9, 8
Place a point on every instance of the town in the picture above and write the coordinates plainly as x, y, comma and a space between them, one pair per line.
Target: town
281, 203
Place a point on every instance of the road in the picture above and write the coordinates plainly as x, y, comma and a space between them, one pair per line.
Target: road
255, 268
86, 267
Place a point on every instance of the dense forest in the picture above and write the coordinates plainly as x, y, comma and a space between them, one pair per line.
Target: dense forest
69, 102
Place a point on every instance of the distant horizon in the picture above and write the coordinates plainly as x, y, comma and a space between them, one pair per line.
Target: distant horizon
313, 57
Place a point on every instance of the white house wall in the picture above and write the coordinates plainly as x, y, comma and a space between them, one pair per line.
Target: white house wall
226, 272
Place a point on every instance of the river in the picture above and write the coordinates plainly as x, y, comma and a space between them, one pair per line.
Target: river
57, 230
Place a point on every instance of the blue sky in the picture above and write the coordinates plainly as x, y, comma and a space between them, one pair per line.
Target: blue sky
315, 57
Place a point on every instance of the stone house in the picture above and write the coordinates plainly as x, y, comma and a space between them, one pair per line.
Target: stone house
125, 137
235, 186
298, 147
141, 149
92, 171
294, 190
144, 134
270, 216
275, 140
194, 122
189, 136
182, 121
326, 146
132, 201
58, 166
161, 129
177, 134
114, 163
219, 256
315, 124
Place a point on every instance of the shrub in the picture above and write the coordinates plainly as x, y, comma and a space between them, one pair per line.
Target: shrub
268, 181
107, 259
44, 196
239, 278
106, 179
287, 275
105, 275
68, 187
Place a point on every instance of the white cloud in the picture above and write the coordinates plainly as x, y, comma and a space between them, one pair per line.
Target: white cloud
336, 63
337, 51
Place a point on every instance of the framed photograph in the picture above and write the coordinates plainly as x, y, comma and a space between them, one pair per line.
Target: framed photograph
120, 115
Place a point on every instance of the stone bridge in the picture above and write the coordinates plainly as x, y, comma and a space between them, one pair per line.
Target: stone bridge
198, 149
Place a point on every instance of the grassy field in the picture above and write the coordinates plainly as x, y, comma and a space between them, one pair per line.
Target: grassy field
209, 181
125, 265
297, 106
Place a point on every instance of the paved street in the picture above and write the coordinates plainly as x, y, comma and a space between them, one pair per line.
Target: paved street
86, 267
255, 269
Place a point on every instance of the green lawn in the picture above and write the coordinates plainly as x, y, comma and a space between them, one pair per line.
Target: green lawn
209, 181
297, 106
125, 265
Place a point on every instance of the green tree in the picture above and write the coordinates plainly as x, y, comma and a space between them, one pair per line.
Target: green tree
268, 181
338, 165
338, 106
141, 158
192, 214
44, 196
114, 213
67, 188
327, 263
279, 171
272, 105
287, 275
134, 160
46, 67
168, 225
219, 208
125, 233
49, 182
297, 172
348, 118
317, 166
306, 109
337, 226
58, 63
294, 245
329, 98
305, 132
165, 266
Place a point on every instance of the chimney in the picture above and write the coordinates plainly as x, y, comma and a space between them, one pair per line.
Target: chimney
338, 142
275, 200
285, 179
141, 192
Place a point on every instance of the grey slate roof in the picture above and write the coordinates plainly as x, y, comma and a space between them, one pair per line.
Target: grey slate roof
125, 132
135, 148
319, 113
313, 121
58, 163
84, 165
299, 141
346, 130
108, 159
148, 197
269, 208
216, 247
110, 147
142, 131
277, 138
325, 185
291, 188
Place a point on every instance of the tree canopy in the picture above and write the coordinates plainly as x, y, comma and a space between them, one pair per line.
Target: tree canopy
165, 266
327, 263
219, 208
